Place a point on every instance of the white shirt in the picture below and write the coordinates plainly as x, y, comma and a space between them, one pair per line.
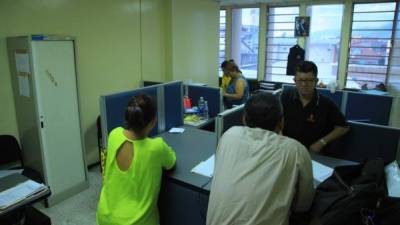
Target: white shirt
259, 178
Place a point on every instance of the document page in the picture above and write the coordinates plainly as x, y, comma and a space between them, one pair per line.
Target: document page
19, 192
320, 171
205, 168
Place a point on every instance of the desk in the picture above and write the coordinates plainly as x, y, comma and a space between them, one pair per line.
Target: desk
184, 195
12, 180
191, 147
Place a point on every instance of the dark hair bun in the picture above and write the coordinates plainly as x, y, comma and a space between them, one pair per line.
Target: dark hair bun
139, 112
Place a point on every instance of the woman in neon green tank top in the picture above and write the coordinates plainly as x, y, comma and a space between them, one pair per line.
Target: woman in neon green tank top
133, 169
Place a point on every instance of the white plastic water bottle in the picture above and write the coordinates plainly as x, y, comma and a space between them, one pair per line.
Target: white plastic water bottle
201, 106
205, 111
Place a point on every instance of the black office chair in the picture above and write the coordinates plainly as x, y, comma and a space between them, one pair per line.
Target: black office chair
102, 154
11, 158
10, 151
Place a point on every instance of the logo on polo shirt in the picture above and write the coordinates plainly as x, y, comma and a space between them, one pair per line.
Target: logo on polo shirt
311, 118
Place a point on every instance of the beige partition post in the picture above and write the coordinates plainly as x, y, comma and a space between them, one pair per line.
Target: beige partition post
344, 44
228, 32
262, 41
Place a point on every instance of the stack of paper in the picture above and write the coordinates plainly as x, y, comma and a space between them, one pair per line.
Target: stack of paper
18, 193
321, 172
205, 168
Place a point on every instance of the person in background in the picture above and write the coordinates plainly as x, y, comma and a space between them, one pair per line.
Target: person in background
237, 92
311, 118
133, 168
260, 176
225, 77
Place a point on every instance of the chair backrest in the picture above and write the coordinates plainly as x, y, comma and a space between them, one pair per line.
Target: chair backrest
10, 152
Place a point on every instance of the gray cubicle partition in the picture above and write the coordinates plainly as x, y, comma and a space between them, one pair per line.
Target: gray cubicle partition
368, 108
172, 105
336, 96
229, 118
147, 83
367, 141
168, 98
211, 94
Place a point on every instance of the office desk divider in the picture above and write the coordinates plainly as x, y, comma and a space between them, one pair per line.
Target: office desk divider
169, 101
367, 141
227, 119
336, 96
146, 83
370, 108
173, 105
212, 95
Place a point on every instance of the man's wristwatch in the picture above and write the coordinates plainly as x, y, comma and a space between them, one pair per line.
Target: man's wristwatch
323, 142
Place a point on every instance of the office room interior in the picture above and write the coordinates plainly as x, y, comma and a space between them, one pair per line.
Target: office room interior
120, 44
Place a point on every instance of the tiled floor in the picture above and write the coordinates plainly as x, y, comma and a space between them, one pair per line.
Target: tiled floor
79, 209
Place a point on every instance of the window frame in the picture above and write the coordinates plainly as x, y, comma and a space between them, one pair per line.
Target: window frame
389, 54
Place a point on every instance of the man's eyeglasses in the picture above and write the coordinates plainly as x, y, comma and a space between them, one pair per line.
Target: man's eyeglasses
304, 80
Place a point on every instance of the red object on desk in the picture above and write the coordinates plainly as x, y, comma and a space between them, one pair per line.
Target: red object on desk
187, 104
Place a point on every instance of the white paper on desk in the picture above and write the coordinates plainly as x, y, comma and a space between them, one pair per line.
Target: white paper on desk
177, 130
321, 172
18, 193
205, 168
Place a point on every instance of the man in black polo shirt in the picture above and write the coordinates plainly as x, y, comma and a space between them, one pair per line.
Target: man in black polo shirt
310, 118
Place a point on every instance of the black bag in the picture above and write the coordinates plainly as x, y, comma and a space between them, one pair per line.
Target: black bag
350, 195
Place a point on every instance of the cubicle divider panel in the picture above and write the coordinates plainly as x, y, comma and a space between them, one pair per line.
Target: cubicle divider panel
228, 119
115, 106
210, 94
336, 96
368, 108
173, 104
367, 141
147, 83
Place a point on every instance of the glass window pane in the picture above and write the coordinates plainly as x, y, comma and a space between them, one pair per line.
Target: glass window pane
278, 55
284, 10
281, 26
373, 25
370, 51
281, 33
323, 44
374, 7
373, 16
278, 48
381, 43
371, 34
280, 18
245, 26
370, 44
367, 60
280, 38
